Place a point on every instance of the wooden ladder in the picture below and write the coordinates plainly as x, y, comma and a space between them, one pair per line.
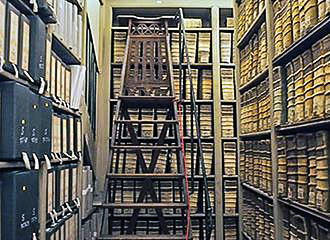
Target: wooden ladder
146, 195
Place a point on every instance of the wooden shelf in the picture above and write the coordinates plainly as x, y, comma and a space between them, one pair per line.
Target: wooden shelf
11, 165
63, 52
171, 29
22, 7
314, 125
256, 135
228, 101
64, 161
230, 176
119, 28
226, 29
176, 216
317, 32
176, 66
231, 65
6, 76
62, 109
231, 215
306, 209
192, 29
257, 191
229, 139
185, 102
194, 65
155, 139
198, 102
252, 29
255, 81
209, 177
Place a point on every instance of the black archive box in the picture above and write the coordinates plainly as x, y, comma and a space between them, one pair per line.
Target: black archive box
34, 119
19, 205
38, 49
40, 117
24, 46
45, 121
15, 124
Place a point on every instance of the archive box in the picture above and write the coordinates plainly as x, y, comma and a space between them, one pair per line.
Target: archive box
19, 204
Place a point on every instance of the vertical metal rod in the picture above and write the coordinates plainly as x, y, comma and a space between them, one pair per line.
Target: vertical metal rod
208, 208
180, 61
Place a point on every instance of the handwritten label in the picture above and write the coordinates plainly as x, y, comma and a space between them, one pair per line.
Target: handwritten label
2, 28
312, 197
14, 24
319, 198
26, 46
281, 188
24, 222
301, 193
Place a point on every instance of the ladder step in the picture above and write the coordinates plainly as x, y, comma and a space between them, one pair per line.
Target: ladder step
149, 237
147, 101
149, 121
142, 205
144, 147
129, 176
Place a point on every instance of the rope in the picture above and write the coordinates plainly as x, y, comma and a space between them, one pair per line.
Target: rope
185, 166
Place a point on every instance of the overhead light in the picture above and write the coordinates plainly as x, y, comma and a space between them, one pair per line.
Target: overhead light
159, 1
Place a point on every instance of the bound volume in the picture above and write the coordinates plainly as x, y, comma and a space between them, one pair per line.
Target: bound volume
229, 155
227, 121
204, 47
282, 166
15, 114
227, 82
278, 97
225, 47
119, 46
322, 170
230, 196
207, 84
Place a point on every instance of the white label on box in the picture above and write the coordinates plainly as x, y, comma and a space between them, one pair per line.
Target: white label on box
26, 46
14, 24
2, 28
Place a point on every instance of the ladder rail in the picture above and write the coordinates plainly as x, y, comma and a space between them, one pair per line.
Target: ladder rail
200, 156
176, 127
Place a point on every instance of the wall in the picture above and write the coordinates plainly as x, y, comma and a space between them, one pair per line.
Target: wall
93, 10
100, 19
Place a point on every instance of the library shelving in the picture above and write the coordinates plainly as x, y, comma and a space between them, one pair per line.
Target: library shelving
207, 63
50, 127
298, 124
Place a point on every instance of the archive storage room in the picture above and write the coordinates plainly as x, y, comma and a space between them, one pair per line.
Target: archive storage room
164, 119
